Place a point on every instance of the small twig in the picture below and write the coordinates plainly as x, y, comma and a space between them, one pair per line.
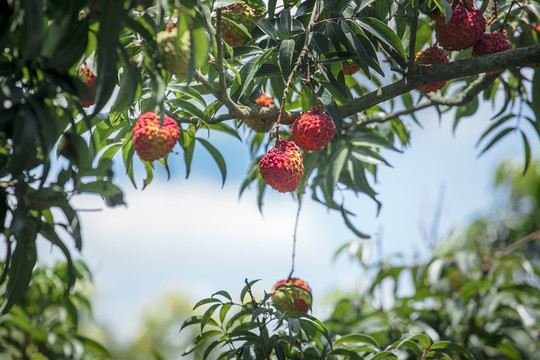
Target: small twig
295, 68
516, 245
412, 36
219, 59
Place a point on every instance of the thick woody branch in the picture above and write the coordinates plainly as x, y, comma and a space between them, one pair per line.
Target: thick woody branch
447, 71
465, 97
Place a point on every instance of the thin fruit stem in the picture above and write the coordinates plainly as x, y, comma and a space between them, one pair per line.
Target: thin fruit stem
295, 67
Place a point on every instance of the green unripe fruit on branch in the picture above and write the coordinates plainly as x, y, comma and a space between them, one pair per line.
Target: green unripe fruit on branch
174, 51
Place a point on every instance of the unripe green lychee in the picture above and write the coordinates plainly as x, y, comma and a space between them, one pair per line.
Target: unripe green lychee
174, 52
258, 124
313, 129
87, 76
152, 140
431, 55
282, 167
242, 14
287, 294
465, 27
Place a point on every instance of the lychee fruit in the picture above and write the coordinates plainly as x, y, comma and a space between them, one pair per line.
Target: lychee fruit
431, 55
152, 140
258, 124
349, 69
291, 295
174, 52
492, 43
465, 27
87, 76
242, 14
313, 129
282, 167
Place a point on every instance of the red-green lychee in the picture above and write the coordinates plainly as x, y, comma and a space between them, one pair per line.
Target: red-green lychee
464, 29
286, 294
431, 55
258, 124
152, 140
242, 14
282, 167
349, 69
174, 51
313, 129
491, 43
87, 76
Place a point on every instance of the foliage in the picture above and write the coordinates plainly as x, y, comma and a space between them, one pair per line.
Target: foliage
52, 148
476, 297
45, 324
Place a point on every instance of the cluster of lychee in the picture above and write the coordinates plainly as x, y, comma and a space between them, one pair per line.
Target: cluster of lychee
282, 166
89, 79
465, 29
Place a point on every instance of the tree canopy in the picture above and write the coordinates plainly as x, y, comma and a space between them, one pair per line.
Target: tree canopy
76, 75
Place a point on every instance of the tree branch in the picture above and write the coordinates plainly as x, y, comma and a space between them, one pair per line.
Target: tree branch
447, 71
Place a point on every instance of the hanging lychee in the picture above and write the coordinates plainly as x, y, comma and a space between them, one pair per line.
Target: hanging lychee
87, 76
491, 43
313, 129
282, 167
286, 294
258, 124
464, 29
431, 55
241, 13
174, 52
152, 140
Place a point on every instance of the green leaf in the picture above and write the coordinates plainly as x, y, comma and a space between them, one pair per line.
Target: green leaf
497, 137
382, 32
336, 166
285, 21
356, 338
206, 301
447, 345
527, 151
217, 158
267, 27
535, 103
286, 54
23, 259
33, 23
128, 88
386, 355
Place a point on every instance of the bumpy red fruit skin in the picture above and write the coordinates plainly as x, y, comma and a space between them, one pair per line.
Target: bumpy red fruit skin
491, 43
280, 298
282, 167
242, 14
258, 124
466, 26
349, 69
431, 55
313, 129
153, 140
87, 76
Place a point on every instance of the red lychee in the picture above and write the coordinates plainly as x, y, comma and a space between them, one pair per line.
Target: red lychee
492, 43
313, 129
282, 167
349, 69
466, 26
258, 124
242, 14
431, 55
87, 76
286, 294
152, 139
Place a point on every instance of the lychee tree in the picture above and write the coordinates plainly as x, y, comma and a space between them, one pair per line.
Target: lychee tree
204, 64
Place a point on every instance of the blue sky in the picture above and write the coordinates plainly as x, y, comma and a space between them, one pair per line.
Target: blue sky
195, 238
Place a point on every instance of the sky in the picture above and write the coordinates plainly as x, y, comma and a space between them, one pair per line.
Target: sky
193, 237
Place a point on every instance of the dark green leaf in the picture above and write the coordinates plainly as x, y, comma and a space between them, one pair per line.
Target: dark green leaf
217, 158
286, 54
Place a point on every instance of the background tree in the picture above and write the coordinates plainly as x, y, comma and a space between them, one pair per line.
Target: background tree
61, 125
